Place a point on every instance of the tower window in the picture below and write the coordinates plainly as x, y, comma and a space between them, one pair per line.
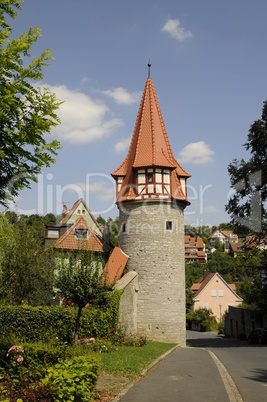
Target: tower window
150, 178
168, 225
124, 227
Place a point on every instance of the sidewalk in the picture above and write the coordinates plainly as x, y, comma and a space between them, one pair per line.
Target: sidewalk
186, 375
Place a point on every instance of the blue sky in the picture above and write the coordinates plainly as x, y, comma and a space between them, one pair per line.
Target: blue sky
209, 66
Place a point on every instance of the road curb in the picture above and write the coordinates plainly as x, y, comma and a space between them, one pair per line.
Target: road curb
231, 389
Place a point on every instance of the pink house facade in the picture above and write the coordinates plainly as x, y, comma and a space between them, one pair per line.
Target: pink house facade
212, 292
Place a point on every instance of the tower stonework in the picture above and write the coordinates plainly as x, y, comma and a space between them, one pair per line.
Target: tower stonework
151, 197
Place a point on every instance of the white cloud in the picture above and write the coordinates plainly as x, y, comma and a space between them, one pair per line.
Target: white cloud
177, 32
122, 96
105, 189
83, 119
122, 145
211, 209
196, 153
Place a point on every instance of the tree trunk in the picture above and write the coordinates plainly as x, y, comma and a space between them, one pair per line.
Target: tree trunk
77, 325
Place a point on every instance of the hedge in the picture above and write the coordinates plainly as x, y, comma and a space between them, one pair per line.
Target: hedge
44, 323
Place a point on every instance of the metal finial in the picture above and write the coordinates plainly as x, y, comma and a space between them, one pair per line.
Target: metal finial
149, 65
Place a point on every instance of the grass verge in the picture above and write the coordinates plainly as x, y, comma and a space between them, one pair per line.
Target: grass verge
124, 365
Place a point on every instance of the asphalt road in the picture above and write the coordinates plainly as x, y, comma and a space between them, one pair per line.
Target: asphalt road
247, 364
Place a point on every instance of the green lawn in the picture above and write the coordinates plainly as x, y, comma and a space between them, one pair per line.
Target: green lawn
130, 361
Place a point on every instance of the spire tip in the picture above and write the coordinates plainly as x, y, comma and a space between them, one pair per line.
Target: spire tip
149, 65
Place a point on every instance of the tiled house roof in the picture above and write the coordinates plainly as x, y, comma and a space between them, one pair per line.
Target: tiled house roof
69, 215
149, 147
204, 281
194, 249
229, 234
69, 241
115, 266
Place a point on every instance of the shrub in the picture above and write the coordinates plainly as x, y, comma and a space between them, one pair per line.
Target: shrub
31, 393
204, 318
119, 337
44, 323
221, 325
73, 380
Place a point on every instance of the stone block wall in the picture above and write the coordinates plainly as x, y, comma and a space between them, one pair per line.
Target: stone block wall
152, 235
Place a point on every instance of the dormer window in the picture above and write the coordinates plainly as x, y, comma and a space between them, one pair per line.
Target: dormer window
81, 233
120, 180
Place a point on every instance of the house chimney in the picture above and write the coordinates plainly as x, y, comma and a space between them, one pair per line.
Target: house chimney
205, 273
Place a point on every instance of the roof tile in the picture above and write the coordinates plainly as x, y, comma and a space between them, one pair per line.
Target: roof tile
115, 266
94, 242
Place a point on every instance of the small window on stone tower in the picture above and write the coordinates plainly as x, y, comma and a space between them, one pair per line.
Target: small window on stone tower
124, 227
168, 225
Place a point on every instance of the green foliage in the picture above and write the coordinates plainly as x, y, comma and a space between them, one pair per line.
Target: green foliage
114, 227
74, 379
218, 245
46, 323
26, 275
204, 318
120, 337
221, 325
193, 273
27, 112
79, 280
25, 364
189, 299
247, 206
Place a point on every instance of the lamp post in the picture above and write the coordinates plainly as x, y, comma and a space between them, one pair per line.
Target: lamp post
220, 305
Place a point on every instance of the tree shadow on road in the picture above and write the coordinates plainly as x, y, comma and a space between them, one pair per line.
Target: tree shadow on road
259, 375
219, 342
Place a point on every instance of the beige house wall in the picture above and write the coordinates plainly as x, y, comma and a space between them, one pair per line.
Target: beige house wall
217, 296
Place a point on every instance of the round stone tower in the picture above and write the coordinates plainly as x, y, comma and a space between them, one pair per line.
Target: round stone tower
151, 197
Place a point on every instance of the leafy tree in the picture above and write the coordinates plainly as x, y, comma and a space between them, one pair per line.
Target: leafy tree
189, 299
218, 245
247, 206
225, 226
78, 280
193, 273
27, 112
26, 274
114, 227
101, 221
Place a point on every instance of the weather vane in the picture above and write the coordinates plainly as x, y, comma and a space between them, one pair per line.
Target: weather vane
149, 65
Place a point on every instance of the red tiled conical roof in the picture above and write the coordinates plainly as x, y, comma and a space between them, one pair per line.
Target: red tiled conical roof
150, 147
